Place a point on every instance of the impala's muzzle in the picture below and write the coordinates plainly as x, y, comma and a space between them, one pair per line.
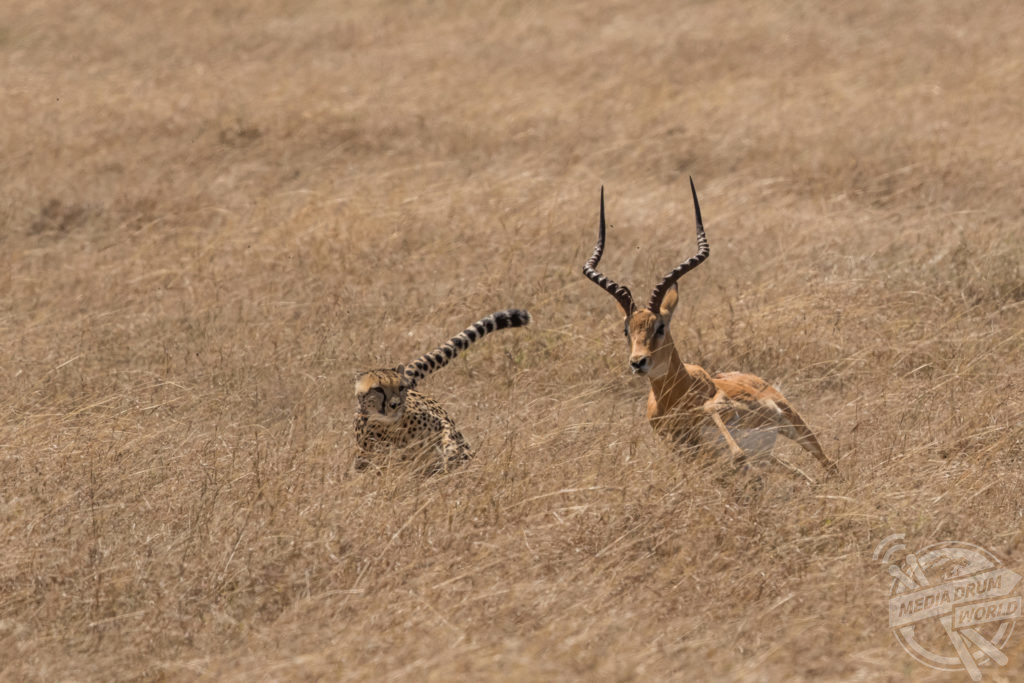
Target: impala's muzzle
640, 365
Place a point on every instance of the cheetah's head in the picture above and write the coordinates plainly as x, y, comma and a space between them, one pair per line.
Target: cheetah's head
381, 394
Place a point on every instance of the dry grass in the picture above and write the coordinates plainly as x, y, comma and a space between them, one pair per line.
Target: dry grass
213, 214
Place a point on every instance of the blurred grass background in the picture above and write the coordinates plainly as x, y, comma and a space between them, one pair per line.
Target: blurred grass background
214, 213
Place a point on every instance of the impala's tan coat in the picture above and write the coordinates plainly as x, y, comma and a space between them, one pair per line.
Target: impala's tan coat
686, 403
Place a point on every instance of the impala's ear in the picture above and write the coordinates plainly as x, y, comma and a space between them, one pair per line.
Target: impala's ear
625, 313
668, 303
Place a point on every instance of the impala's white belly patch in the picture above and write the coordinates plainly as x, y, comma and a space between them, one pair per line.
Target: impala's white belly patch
753, 441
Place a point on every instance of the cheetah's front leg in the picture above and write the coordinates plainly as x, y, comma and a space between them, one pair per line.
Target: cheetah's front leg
454, 448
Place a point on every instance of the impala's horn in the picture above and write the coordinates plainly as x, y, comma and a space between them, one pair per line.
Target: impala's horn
654, 305
621, 294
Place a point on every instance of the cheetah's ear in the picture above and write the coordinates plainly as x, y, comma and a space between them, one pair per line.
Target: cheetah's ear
409, 379
406, 380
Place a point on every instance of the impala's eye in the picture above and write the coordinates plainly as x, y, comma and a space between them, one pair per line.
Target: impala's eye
661, 330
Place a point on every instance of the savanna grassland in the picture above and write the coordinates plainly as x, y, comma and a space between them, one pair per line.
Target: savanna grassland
212, 214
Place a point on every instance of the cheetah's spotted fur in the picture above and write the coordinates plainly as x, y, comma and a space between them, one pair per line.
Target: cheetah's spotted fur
390, 415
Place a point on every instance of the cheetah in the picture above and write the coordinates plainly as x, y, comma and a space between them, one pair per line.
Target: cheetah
390, 415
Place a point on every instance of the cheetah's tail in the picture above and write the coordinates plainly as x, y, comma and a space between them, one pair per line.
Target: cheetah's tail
439, 357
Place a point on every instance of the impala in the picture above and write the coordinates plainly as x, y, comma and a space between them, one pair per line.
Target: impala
687, 405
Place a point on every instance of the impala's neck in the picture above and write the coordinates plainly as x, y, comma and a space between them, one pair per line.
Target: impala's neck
671, 381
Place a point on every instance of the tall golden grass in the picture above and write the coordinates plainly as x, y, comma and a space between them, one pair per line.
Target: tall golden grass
214, 213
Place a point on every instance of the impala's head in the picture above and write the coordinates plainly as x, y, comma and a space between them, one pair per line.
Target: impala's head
381, 394
647, 329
